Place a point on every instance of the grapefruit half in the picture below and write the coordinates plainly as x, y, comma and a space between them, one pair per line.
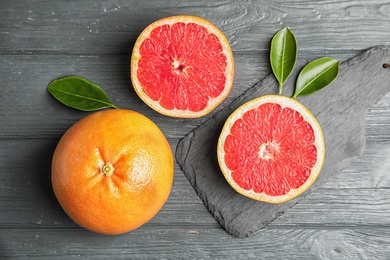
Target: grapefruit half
271, 149
182, 66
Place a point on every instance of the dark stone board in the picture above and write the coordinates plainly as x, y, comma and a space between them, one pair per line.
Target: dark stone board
340, 108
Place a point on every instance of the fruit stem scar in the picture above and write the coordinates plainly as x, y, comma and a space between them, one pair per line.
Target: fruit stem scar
386, 65
107, 169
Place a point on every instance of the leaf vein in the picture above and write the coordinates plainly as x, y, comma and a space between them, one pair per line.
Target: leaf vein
84, 97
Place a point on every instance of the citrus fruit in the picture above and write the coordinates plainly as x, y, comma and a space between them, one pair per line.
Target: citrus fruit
112, 171
271, 149
182, 66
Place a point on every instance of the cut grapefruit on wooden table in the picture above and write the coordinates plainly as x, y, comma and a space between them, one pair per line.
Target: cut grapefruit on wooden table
182, 66
271, 149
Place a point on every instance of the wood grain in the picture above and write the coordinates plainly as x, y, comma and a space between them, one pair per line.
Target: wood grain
41, 40
306, 243
111, 72
91, 27
27, 196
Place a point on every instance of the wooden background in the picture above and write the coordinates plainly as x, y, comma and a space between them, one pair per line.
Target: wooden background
347, 218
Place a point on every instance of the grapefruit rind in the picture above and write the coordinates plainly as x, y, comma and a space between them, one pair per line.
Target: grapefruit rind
155, 105
284, 102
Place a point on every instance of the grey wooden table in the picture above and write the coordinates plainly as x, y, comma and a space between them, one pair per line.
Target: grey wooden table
347, 218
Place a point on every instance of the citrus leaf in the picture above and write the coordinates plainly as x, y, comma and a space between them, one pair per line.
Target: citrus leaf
316, 75
79, 93
283, 55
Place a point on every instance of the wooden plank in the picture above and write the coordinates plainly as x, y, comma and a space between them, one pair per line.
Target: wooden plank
27, 200
32, 112
350, 207
26, 196
112, 27
188, 243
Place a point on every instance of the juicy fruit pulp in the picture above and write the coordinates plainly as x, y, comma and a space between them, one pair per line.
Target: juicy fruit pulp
182, 66
112, 171
271, 149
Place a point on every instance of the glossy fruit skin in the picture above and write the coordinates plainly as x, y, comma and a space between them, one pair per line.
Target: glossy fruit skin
257, 148
172, 64
141, 180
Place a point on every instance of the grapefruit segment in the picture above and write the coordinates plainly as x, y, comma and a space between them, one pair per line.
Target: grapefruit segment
182, 66
271, 149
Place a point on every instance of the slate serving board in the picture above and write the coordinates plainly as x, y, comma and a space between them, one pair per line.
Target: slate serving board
340, 109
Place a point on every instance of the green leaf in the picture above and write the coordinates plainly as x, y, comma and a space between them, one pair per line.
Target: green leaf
316, 75
79, 93
283, 55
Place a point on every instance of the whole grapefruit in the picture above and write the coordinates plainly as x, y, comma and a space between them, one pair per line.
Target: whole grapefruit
112, 171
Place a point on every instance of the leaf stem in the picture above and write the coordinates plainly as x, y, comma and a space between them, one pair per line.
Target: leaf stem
280, 88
